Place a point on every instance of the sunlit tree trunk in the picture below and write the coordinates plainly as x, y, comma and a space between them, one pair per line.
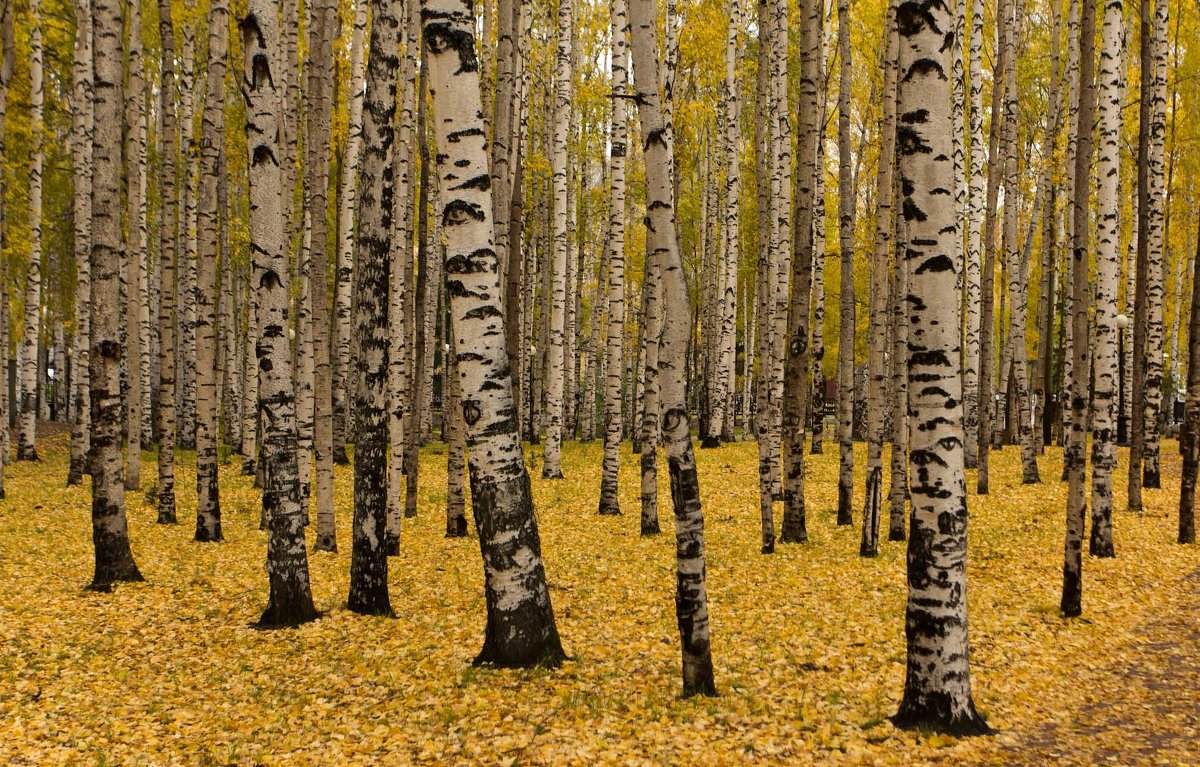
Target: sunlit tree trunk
847, 314
615, 254
26, 436
877, 339
135, 256
937, 687
1108, 269
691, 600
520, 625
168, 250
972, 272
287, 559
81, 145
375, 207
110, 531
556, 374
319, 93
1073, 455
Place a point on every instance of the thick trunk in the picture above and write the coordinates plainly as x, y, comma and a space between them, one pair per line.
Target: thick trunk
168, 251
287, 559
375, 207
110, 531
937, 688
521, 629
691, 600
82, 128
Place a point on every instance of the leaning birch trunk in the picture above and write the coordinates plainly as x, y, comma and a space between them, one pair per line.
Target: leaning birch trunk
208, 504
937, 687
346, 222
6, 68
876, 384
319, 94
615, 252
973, 270
110, 530
556, 377
27, 434
1074, 457
135, 256
796, 391
1016, 257
691, 599
1189, 440
520, 623
1108, 269
287, 559
375, 201
168, 250
847, 304
82, 129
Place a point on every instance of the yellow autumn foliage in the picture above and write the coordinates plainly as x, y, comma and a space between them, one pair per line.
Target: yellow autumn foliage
808, 643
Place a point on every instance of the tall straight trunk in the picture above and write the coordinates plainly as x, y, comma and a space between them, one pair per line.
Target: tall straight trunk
1108, 269
1137, 429
898, 491
456, 451
1067, 326
847, 305
208, 504
651, 329
937, 687
6, 68
615, 254
1074, 457
1189, 440
346, 221
185, 351
287, 559
1016, 257
691, 600
520, 624
318, 93
767, 266
557, 359
82, 135
375, 203
27, 434
797, 369
877, 344
248, 410
972, 272
136, 235
169, 237
816, 401
416, 309
303, 366
110, 530
1152, 382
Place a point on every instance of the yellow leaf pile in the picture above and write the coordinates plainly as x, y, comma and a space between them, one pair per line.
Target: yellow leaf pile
808, 643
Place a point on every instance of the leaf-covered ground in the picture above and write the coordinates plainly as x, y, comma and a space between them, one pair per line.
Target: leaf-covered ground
808, 643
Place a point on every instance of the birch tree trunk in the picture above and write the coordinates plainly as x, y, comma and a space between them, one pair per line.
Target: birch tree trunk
168, 252
615, 253
816, 401
185, 351
456, 452
208, 504
318, 93
521, 629
937, 687
691, 599
6, 68
82, 118
110, 530
1108, 269
287, 559
846, 318
651, 324
346, 221
377, 110
135, 256
26, 436
1189, 440
898, 493
556, 377
975, 201
1074, 457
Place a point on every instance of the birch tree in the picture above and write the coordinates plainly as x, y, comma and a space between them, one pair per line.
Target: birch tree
1189, 440
82, 119
110, 530
972, 271
937, 687
520, 620
168, 251
27, 433
136, 236
846, 316
6, 69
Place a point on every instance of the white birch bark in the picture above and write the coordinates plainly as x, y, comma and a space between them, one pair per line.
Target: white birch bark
82, 121
28, 390
135, 255
169, 239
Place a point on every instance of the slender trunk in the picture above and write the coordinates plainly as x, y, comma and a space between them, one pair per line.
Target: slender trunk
816, 401
287, 559
847, 315
768, 186
168, 250
26, 436
110, 530
937, 687
1137, 433
82, 129
6, 68
972, 273
1189, 440
651, 325
185, 351
135, 261
898, 492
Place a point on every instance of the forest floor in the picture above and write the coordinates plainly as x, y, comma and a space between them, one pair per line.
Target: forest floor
808, 643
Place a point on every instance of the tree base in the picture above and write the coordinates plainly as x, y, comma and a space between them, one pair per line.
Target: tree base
456, 527
1100, 548
27, 453
546, 654
1151, 480
651, 529
710, 442
105, 577
286, 616
896, 534
552, 473
372, 602
928, 719
248, 469
339, 455
793, 536
326, 543
700, 680
768, 548
392, 546
609, 509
